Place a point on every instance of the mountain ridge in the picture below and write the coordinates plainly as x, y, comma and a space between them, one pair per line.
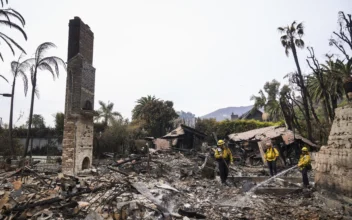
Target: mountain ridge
225, 113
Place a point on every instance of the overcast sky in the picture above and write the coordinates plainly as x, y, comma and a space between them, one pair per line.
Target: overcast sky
202, 55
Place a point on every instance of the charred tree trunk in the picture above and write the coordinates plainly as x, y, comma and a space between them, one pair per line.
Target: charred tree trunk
11, 117
304, 93
286, 112
34, 82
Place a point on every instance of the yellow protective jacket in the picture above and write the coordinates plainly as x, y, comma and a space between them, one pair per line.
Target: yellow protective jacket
271, 154
304, 161
223, 153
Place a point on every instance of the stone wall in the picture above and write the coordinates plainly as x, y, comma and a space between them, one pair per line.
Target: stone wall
333, 163
77, 143
84, 144
68, 146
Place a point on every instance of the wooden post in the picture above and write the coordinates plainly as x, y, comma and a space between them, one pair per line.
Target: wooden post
261, 150
148, 160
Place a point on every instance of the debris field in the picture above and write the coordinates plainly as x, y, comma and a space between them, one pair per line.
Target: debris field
163, 185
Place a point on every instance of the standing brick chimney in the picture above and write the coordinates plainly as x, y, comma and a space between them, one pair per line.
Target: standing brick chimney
77, 152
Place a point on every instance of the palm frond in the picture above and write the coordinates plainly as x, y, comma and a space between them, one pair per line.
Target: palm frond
293, 27
25, 81
2, 2
284, 38
8, 44
314, 88
15, 14
13, 42
32, 73
45, 66
4, 78
1, 57
118, 114
10, 13
3, 13
281, 29
284, 43
39, 53
14, 67
300, 29
56, 61
15, 26
102, 104
299, 43
110, 106
287, 50
36, 92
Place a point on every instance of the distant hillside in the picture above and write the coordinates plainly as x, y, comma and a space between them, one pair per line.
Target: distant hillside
225, 113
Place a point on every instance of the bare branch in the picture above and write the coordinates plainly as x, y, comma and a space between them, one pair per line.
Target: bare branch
339, 47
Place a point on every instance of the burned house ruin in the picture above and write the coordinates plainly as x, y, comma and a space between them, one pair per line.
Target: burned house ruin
249, 145
185, 138
79, 105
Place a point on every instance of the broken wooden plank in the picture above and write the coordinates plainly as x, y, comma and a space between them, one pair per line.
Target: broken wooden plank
165, 186
24, 206
126, 161
119, 171
142, 189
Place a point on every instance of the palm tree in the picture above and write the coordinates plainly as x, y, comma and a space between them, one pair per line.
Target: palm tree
37, 121
11, 14
271, 102
41, 63
259, 101
138, 110
345, 70
333, 71
106, 112
18, 69
292, 38
273, 108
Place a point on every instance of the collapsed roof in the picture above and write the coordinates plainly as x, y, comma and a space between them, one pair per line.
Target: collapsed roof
271, 132
181, 130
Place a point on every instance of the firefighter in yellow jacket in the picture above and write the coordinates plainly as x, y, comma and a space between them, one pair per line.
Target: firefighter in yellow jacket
224, 157
270, 156
304, 165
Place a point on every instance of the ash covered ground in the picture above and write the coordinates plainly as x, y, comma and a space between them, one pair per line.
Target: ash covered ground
172, 186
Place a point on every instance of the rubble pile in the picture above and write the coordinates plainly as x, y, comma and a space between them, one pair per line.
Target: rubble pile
164, 185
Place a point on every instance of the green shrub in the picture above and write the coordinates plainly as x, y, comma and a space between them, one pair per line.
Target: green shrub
226, 127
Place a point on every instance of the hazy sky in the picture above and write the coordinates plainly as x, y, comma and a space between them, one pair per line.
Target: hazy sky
202, 55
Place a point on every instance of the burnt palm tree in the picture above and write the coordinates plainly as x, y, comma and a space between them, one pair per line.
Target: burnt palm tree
41, 63
18, 69
11, 17
106, 112
291, 39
